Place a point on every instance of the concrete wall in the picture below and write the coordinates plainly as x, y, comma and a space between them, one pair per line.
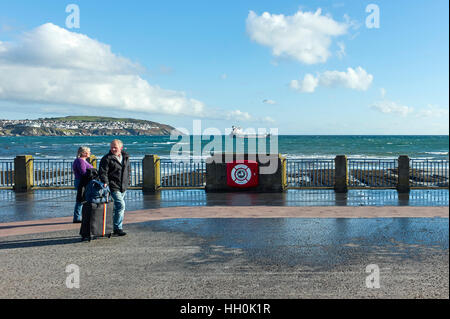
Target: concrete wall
403, 185
341, 174
272, 173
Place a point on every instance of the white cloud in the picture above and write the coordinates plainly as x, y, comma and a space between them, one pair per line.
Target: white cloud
392, 107
238, 115
241, 116
383, 92
356, 79
304, 36
433, 111
353, 24
57, 48
430, 112
308, 85
341, 53
52, 65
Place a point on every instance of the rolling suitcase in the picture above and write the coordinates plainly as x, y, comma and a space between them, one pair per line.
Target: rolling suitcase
97, 220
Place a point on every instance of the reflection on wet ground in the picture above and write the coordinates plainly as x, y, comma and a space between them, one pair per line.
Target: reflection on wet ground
41, 204
314, 242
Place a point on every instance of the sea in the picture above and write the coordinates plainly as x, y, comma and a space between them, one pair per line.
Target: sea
433, 147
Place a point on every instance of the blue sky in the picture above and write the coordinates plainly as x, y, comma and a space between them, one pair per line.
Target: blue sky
259, 64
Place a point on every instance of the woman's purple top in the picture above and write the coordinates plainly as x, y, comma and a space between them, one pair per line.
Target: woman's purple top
79, 167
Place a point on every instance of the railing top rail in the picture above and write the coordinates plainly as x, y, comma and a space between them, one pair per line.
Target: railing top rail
53, 159
428, 160
310, 159
371, 159
168, 160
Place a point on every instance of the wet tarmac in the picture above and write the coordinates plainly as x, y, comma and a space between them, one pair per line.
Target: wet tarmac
41, 204
313, 242
235, 258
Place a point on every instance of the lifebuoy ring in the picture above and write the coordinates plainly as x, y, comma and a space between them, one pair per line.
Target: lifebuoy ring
241, 174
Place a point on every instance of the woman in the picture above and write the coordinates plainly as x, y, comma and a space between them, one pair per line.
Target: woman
79, 167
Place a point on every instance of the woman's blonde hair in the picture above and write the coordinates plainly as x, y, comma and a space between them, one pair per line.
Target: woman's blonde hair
83, 149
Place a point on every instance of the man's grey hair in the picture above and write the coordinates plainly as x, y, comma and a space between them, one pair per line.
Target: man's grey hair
118, 142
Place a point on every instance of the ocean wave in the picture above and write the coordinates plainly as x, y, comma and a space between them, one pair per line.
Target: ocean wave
52, 157
165, 143
437, 153
88, 144
332, 156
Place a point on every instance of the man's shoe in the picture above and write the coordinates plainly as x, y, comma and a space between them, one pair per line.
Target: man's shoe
119, 232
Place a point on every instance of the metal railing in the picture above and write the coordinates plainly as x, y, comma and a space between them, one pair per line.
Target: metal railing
59, 173
136, 173
372, 173
300, 173
428, 173
6, 172
52, 173
182, 173
310, 172
365, 173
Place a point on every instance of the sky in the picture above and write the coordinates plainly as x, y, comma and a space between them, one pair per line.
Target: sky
300, 67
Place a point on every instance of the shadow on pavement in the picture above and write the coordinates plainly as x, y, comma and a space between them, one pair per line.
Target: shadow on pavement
27, 243
34, 224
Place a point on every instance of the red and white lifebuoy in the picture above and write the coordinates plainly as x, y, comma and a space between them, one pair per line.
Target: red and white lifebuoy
241, 174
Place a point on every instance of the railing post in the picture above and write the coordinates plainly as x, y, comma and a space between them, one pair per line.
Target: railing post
340, 174
283, 171
403, 185
23, 173
151, 173
93, 161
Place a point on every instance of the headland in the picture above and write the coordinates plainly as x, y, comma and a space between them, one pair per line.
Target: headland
83, 126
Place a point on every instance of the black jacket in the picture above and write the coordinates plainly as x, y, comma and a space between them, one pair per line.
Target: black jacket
91, 173
113, 173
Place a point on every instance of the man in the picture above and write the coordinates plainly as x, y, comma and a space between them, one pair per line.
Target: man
114, 172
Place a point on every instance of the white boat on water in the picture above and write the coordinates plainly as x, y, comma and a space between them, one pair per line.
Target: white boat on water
237, 131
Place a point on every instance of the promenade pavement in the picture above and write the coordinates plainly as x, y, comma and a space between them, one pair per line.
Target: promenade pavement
234, 252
